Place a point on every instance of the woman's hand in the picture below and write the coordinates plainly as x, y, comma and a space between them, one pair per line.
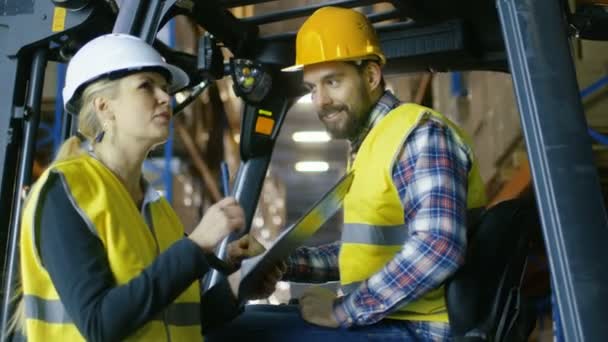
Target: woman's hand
269, 283
221, 219
243, 248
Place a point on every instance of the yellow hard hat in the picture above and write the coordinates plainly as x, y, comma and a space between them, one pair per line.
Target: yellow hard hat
336, 34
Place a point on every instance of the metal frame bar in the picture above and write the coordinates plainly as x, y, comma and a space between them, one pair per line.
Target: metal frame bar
248, 196
238, 3
566, 183
24, 179
167, 174
380, 29
142, 18
68, 126
386, 15
304, 11
12, 82
130, 17
59, 112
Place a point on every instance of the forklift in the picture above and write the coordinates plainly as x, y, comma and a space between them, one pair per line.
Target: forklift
530, 39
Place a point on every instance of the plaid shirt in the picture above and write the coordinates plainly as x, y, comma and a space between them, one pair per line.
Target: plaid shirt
431, 178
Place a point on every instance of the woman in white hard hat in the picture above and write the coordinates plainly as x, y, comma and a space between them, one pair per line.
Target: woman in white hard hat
103, 256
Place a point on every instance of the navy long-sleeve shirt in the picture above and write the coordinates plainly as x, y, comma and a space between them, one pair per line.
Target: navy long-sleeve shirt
77, 264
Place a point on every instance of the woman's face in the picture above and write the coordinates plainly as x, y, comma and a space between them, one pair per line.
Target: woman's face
141, 109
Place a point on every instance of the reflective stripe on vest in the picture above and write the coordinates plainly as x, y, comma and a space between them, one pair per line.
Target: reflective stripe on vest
52, 311
375, 223
106, 205
374, 235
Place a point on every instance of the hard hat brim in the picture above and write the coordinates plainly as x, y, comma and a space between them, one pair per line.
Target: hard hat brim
293, 68
177, 78
377, 58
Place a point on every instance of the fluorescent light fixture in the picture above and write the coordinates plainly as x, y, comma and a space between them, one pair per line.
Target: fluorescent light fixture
283, 285
312, 166
306, 99
306, 137
265, 233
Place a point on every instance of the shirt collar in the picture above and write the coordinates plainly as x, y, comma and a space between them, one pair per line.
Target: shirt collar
150, 194
385, 104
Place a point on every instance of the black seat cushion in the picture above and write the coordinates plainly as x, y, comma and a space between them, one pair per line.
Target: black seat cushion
494, 264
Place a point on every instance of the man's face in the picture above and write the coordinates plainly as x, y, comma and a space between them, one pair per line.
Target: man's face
341, 96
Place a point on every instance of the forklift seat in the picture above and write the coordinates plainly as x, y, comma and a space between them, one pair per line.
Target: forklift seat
484, 298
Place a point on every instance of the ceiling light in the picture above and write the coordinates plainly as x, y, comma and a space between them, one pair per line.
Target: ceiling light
265, 233
312, 166
311, 137
276, 220
283, 285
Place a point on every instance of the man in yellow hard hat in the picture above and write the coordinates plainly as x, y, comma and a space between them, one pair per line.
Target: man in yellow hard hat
404, 216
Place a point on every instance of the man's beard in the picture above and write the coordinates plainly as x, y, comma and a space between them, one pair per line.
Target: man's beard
349, 127
346, 128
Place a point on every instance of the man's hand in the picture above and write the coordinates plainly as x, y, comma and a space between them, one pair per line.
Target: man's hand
247, 247
268, 285
317, 306
265, 288
243, 248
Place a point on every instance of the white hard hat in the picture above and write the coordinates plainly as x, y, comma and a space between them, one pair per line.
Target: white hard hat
110, 55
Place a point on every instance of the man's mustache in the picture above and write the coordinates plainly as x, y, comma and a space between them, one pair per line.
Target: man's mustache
330, 110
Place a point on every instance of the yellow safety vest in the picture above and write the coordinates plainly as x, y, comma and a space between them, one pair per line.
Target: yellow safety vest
130, 244
374, 225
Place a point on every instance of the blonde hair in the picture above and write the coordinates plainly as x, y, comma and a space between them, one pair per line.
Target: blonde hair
88, 122
89, 127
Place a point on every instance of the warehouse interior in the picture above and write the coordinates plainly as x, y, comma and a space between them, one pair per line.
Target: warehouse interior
470, 83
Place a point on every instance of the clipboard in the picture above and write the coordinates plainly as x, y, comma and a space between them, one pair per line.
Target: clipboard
253, 269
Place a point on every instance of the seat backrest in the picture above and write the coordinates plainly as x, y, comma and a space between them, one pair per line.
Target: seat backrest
483, 298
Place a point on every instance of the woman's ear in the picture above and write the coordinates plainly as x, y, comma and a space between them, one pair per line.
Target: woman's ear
101, 104
374, 75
